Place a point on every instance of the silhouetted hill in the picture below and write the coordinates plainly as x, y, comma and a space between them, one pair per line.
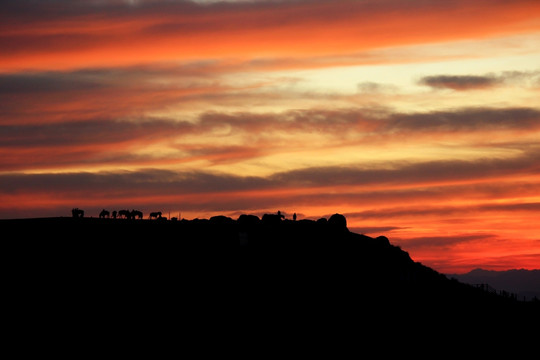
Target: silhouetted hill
313, 272
524, 283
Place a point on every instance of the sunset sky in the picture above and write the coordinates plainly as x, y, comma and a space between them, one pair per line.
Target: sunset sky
416, 119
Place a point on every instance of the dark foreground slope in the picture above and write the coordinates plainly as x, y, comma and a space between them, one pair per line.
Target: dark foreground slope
306, 273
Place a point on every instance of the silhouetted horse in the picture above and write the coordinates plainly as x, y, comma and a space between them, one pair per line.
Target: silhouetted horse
77, 213
104, 214
124, 213
136, 214
156, 215
114, 213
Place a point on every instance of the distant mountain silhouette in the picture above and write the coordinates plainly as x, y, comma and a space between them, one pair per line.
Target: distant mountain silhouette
524, 283
249, 269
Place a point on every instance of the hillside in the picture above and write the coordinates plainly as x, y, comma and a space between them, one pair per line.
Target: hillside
299, 268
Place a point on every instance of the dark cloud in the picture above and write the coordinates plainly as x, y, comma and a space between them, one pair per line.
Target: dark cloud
92, 132
475, 82
32, 44
53, 9
303, 120
374, 229
28, 83
441, 241
149, 181
416, 173
463, 82
92, 79
382, 125
466, 120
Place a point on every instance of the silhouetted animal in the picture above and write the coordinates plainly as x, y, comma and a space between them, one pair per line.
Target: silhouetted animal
104, 213
77, 213
156, 215
136, 214
124, 213
114, 214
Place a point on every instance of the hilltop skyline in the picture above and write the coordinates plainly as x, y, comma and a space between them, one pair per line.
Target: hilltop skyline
417, 120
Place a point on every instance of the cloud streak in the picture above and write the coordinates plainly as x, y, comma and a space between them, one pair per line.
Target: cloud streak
460, 83
429, 180
478, 82
182, 29
116, 138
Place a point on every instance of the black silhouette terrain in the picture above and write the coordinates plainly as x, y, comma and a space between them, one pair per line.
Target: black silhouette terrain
313, 273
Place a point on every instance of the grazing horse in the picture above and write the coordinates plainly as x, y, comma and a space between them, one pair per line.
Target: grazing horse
104, 214
156, 215
136, 214
77, 213
124, 213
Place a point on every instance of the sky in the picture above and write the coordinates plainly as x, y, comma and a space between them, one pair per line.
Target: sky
418, 120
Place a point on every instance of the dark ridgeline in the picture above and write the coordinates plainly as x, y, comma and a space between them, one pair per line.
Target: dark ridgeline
249, 269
